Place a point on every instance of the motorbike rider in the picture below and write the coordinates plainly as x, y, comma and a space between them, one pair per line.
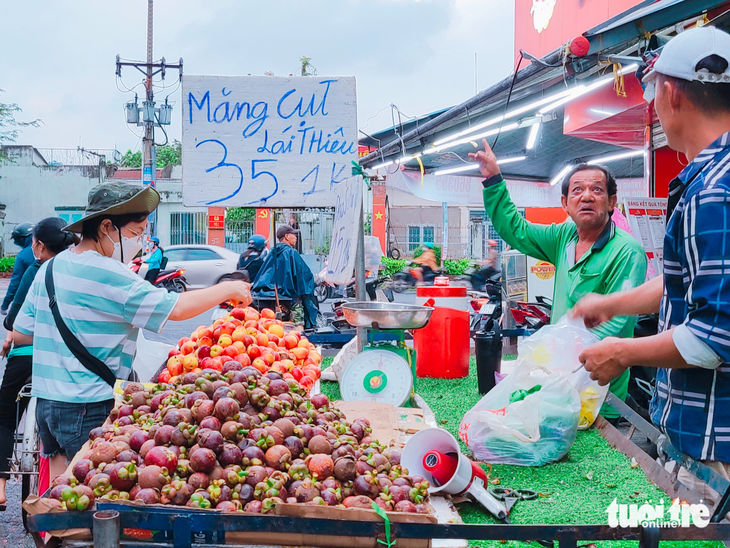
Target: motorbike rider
426, 262
22, 236
154, 261
252, 259
284, 277
489, 267
85, 337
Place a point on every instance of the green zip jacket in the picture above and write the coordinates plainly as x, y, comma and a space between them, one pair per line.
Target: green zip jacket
615, 262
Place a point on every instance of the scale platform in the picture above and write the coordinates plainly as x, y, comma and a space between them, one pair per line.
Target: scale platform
384, 371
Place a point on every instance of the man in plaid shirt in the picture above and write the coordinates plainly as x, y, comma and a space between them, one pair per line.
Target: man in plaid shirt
690, 86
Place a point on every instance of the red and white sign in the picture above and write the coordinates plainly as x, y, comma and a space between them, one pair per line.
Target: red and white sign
647, 219
543, 25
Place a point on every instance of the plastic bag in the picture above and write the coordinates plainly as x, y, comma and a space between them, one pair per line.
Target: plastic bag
558, 347
373, 254
528, 419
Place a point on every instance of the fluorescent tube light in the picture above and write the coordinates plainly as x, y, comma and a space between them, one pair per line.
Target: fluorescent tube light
510, 114
614, 157
385, 164
469, 167
511, 160
583, 89
504, 129
559, 176
532, 137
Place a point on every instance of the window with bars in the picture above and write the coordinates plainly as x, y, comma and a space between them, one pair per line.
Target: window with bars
418, 235
481, 231
188, 228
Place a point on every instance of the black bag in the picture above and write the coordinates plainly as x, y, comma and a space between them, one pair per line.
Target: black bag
92, 363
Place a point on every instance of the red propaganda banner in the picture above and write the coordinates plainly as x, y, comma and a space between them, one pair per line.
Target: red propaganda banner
543, 25
216, 221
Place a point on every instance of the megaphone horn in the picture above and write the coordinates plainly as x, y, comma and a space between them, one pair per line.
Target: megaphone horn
434, 454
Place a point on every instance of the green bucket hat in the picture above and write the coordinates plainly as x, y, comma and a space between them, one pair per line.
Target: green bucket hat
117, 198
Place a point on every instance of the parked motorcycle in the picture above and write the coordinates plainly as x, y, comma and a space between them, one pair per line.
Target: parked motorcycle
532, 316
172, 280
486, 306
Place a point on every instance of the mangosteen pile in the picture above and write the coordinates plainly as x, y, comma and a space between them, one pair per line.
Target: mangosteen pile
239, 441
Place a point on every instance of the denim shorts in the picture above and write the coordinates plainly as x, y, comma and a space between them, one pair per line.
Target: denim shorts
64, 427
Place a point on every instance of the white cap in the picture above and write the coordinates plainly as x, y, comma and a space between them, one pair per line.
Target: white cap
682, 53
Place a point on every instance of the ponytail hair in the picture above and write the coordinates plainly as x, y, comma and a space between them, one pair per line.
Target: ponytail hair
51, 233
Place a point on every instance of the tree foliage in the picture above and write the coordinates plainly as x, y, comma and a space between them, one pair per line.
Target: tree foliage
168, 155
10, 126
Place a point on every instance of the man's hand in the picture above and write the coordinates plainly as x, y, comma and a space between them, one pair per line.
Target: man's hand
487, 161
604, 360
594, 309
240, 292
7, 345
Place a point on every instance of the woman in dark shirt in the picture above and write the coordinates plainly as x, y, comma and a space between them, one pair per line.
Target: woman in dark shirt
49, 239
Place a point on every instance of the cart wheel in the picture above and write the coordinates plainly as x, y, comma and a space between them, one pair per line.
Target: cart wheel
29, 460
394, 253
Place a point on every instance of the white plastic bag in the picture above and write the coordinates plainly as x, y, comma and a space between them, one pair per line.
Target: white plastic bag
373, 254
528, 419
558, 347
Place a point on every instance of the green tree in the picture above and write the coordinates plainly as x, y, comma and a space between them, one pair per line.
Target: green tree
168, 155
10, 126
131, 159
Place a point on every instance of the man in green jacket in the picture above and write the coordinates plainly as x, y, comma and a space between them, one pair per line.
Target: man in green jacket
590, 254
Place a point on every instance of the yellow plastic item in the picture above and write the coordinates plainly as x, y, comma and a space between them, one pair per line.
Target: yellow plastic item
589, 408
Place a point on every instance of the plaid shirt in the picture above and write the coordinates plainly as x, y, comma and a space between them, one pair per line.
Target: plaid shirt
692, 406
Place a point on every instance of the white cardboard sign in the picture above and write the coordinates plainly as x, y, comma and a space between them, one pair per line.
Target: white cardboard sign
343, 246
267, 141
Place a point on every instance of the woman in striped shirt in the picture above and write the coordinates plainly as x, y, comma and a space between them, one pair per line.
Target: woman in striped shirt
103, 304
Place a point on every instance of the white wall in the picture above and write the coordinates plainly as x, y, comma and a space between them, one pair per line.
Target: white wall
31, 190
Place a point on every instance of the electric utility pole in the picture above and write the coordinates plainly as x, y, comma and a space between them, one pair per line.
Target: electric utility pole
151, 116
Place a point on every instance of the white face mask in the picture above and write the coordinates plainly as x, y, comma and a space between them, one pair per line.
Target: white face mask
127, 250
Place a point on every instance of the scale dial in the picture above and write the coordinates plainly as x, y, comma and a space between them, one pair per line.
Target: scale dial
377, 375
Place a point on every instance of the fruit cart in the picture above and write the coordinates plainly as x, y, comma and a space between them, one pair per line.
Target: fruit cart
118, 525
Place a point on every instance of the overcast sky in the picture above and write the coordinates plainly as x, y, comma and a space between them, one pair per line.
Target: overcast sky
58, 56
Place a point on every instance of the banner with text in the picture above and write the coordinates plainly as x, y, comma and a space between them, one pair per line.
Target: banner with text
267, 141
343, 246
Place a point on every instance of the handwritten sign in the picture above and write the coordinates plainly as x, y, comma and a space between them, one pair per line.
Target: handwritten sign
267, 141
341, 259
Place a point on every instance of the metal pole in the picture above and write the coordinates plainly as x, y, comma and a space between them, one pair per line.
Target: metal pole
360, 274
106, 529
149, 125
445, 231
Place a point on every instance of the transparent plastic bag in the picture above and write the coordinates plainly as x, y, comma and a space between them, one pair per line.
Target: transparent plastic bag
528, 419
558, 347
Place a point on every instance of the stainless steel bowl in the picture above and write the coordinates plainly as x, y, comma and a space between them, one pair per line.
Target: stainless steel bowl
386, 315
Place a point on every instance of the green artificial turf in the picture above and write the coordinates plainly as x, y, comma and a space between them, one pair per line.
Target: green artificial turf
575, 490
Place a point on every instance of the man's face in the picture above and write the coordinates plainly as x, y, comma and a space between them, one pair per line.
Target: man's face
668, 114
291, 239
588, 203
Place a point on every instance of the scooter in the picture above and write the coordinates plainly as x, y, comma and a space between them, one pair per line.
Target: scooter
172, 280
486, 306
532, 316
407, 279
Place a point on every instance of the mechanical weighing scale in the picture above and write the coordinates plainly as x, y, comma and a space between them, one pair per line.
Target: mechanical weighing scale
385, 371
